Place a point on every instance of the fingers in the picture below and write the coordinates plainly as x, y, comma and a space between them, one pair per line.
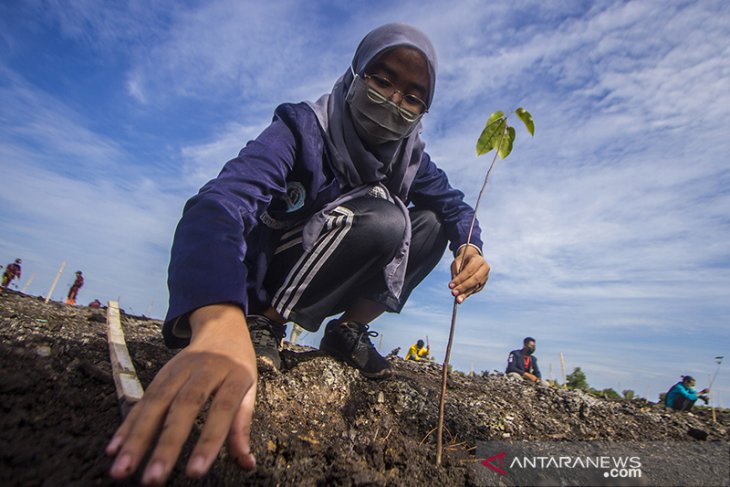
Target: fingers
220, 360
134, 436
117, 440
178, 423
176, 398
239, 438
122, 431
472, 277
228, 401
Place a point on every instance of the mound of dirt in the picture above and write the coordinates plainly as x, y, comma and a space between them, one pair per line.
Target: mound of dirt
317, 422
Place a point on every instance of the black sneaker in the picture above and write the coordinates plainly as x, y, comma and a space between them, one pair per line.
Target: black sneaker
266, 336
350, 342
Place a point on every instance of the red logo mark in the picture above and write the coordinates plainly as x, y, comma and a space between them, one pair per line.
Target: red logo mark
488, 463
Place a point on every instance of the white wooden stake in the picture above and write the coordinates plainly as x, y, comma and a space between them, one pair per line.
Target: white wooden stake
129, 389
718, 361
55, 281
27, 283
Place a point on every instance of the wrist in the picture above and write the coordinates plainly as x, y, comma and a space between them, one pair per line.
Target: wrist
461, 247
218, 320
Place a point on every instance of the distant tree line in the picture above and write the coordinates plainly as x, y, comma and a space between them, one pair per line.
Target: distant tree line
577, 380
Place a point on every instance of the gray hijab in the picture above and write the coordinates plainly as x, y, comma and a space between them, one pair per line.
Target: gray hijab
392, 165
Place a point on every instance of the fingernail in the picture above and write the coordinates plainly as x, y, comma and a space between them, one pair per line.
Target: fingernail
154, 472
197, 465
113, 445
122, 465
248, 461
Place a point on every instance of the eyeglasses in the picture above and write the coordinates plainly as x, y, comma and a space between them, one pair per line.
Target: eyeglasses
381, 90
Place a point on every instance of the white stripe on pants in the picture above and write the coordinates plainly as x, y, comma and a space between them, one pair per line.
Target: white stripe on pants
338, 224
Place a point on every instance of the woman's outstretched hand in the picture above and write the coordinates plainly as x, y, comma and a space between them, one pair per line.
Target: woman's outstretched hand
219, 362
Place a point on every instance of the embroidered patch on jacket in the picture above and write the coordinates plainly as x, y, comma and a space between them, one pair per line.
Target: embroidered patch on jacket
377, 192
295, 194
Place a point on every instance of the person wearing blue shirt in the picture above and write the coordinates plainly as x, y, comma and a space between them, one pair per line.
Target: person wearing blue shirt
522, 363
682, 396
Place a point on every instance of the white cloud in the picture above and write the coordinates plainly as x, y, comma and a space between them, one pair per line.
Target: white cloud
52, 129
204, 161
103, 26
64, 200
119, 238
229, 49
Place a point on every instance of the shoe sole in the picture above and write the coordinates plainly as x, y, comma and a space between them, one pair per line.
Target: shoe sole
382, 374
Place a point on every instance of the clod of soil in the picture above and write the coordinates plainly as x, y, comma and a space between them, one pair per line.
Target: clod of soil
318, 422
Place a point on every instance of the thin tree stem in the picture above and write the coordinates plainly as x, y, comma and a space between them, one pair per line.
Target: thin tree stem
445, 369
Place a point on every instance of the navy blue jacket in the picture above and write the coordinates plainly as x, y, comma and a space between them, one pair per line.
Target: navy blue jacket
516, 363
223, 243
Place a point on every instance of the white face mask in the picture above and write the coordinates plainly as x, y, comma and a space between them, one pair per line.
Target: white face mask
375, 123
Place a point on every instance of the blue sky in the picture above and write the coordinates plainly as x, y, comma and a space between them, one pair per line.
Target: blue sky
608, 232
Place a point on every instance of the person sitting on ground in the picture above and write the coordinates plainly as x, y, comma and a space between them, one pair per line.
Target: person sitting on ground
95, 304
522, 363
682, 396
74, 290
312, 219
418, 351
12, 271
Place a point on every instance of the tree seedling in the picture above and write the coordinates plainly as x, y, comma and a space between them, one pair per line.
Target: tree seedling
498, 135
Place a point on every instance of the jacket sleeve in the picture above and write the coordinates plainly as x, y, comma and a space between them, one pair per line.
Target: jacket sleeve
515, 364
209, 247
431, 190
688, 393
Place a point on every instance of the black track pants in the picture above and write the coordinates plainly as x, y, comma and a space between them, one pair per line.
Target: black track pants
360, 237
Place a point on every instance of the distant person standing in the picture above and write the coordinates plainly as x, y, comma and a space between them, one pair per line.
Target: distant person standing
682, 396
75, 288
12, 271
523, 363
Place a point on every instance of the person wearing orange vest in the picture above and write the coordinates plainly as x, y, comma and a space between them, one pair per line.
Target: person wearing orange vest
75, 288
12, 271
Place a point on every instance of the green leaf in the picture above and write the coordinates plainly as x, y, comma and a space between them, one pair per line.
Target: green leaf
489, 137
527, 119
506, 147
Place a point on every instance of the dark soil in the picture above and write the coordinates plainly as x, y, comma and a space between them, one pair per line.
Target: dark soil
316, 423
